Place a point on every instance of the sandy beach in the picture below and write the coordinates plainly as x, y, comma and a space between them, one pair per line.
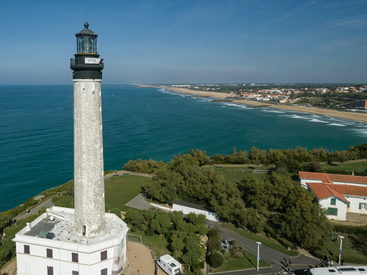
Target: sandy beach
362, 117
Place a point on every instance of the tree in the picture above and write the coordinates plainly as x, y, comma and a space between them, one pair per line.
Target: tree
200, 156
214, 240
163, 186
192, 250
177, 242
341, 156
164, 223
216, 259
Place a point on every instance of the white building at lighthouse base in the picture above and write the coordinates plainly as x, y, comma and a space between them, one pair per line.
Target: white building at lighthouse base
50, 246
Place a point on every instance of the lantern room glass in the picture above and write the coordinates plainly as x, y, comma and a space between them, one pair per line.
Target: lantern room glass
86, 44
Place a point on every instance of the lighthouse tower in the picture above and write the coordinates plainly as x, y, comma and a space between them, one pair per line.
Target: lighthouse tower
84, 240
88, 146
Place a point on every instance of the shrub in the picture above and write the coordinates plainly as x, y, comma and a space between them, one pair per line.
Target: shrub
216, 259
149, 232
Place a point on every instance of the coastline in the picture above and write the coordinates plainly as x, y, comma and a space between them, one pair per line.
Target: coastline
360, 117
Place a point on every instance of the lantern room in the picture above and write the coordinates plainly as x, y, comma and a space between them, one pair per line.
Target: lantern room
86, 41
86, 64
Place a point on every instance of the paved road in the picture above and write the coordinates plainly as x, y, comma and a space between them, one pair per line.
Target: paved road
275, 258
139, 202
34, 210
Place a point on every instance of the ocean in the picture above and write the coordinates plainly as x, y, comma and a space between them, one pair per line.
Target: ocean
36, 141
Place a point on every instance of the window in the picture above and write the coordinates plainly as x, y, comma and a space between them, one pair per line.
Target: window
49, 253
362, 205
333, 201
74, 257
104, 271
50, 270
103, 255
332, 211
26, 249
75, 273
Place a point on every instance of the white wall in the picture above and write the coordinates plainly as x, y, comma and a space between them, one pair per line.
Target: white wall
305, 181
354, 204
211, 216
340, 205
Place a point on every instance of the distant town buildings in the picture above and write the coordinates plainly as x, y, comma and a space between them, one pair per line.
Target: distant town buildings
280, 94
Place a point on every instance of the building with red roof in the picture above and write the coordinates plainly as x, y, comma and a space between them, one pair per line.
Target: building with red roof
338, 194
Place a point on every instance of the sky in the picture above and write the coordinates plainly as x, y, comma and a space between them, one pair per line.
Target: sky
188, 41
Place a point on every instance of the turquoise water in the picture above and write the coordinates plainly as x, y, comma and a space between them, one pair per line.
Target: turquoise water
36, 125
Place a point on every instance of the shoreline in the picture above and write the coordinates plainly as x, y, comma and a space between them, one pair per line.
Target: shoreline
354, 116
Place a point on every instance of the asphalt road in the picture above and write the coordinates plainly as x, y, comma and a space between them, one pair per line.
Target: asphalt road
275, 258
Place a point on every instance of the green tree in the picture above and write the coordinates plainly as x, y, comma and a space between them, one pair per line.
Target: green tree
192, 251
200, 156
177, 243
214, 240
216, 259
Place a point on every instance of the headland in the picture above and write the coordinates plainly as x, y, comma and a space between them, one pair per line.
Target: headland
356, 116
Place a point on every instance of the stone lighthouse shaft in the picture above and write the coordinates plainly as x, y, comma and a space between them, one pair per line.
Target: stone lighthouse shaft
89, 201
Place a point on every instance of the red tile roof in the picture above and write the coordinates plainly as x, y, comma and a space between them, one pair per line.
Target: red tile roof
332, 177
323, 191
320, 190
349, 189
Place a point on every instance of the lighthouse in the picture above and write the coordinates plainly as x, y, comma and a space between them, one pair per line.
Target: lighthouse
88, 145
83, 240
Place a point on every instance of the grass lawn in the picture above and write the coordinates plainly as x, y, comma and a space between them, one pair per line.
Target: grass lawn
120, 190
356, 166
261, 238
237, 173
246, 262
350, 253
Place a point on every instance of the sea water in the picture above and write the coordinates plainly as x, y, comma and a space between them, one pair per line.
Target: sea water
36, 141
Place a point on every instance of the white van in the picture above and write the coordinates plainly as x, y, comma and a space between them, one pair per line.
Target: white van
336, 270
169, 265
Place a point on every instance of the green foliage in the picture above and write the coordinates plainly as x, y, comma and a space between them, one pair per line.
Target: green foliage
216, 259
214, 240
183, 236
143, 166
201, 156
163, 186
350, 229
192, 251
149, 232
290, 208
290, 158
7, 247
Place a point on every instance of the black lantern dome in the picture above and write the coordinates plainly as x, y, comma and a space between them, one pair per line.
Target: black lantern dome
86, 64
86, 40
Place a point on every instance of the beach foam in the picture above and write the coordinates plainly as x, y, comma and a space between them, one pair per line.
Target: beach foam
272, 111
241, 106
297, 116
318, 120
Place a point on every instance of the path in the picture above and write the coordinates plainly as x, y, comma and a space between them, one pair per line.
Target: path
34, 210
139, 202
275, 258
